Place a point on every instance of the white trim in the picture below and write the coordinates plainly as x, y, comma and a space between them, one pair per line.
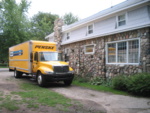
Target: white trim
69, 34
116, 53
126, 18
89, 52
19, 68
67, 50
139, 50
123, 40
22, 69
87, 29
106, 48
127, 40
127, 53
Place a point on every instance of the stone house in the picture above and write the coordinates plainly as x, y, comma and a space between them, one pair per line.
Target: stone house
111, 42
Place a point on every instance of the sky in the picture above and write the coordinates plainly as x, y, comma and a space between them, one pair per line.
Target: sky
80, 8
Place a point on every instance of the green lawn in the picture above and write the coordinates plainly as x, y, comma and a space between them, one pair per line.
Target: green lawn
34, 95
3, 65
99, 88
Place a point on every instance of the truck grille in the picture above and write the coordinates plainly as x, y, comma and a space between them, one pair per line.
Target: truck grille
60, 69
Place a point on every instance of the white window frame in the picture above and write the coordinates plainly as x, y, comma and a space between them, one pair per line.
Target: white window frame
67, 34
127, 51
89, 52
67, 51
117, 19
89, 29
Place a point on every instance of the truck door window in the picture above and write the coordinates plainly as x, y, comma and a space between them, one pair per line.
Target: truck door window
36, 56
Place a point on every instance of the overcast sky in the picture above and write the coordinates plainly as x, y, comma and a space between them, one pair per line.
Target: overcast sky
80, 8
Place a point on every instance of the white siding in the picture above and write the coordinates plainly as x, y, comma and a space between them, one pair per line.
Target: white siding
51, 39
104, 26
138, 16
76, 34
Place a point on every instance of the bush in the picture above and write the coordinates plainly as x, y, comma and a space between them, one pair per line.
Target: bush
3, 65
81, 79
119, 82
139, 84
101, 81
97, 81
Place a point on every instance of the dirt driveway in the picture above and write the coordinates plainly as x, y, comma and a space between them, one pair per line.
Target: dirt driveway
94, 100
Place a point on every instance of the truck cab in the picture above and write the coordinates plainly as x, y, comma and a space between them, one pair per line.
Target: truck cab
48, 67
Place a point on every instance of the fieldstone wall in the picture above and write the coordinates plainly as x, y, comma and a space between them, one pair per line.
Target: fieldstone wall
94, 64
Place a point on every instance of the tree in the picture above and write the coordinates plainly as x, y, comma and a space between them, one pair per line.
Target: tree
14, 25
69, 18
42, 25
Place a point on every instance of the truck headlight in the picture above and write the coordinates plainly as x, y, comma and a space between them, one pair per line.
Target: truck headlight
49, 72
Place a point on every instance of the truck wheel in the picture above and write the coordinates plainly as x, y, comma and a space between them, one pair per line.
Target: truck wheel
17, 74
68, 82
40, 80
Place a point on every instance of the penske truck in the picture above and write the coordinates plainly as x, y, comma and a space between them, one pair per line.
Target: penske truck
40, 60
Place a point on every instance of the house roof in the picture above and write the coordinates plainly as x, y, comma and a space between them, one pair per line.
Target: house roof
128, 4
50, 36
105, 13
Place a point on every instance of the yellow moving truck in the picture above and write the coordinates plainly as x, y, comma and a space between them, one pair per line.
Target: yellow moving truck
41, 60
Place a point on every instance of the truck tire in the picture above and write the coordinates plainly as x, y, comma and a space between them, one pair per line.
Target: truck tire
67, 82
40, 80
17, 74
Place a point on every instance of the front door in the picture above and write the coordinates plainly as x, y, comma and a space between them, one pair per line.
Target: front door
35, 62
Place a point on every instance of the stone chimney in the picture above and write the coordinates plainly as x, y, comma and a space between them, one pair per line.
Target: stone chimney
58, 32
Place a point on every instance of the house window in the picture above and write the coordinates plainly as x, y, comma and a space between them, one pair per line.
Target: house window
90, 29
123, 52
68, 36
66, 54
121, 20
89, 49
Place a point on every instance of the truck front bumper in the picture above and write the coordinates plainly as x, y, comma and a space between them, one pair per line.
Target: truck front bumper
56, 77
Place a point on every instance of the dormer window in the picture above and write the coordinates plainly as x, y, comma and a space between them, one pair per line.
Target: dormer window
121, 20
68, 36
90, 29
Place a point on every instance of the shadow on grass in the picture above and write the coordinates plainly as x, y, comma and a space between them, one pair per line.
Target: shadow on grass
30, 80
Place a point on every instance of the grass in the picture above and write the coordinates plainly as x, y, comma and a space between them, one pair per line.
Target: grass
99, 88
35, 95
3, 65
8, 103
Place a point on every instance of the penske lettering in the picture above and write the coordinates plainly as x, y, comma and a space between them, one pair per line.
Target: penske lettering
44, 47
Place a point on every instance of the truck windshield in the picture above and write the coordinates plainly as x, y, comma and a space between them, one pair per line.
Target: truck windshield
50, 56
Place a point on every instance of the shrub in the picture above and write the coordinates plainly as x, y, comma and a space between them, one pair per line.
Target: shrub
101, 81
81, 79
97, 81
119, 82
139, 84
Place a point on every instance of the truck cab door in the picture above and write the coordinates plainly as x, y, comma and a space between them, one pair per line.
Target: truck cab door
35, 63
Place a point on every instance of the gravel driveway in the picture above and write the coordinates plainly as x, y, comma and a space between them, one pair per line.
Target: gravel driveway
105, 102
